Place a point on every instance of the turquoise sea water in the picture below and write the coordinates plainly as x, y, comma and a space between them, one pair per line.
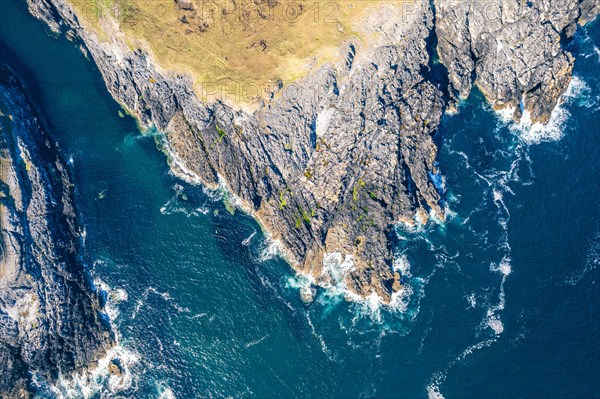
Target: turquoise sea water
505, 298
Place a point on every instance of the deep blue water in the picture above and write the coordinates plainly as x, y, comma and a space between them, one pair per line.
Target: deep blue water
505, 297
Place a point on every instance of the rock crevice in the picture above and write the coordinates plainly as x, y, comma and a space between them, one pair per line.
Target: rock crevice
335, 160
50, 314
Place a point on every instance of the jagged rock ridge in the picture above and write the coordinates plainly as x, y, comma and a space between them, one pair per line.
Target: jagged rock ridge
50, 315
336, 160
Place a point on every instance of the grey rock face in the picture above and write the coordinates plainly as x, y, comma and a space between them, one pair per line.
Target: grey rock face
334, 161
511, 50
49, 314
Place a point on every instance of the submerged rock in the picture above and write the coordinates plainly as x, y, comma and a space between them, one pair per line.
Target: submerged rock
307, 294
335, 160
49, 311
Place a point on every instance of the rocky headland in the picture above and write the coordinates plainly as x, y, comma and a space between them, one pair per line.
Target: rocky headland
51, 320
331, 163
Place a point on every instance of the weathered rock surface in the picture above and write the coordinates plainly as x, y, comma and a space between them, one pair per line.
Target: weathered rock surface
511, 50
334, 161
49, 314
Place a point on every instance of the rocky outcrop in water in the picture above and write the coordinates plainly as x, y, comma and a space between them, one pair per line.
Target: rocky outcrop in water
50, 314
331, 164
512, 50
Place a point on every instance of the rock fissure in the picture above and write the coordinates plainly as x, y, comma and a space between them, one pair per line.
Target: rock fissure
352, 143
50, 313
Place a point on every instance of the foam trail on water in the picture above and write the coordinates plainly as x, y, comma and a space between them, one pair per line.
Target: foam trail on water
247, 240
592, 262
164, 295
433, 388
321, 340
173, 205
256, 341
433, 392
497, 192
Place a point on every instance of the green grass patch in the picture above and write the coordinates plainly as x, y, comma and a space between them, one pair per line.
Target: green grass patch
222, 133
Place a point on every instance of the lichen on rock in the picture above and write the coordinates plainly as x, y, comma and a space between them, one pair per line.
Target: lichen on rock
333, 161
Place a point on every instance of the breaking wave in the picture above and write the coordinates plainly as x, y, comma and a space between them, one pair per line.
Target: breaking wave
577, 94
178, 204
113, 373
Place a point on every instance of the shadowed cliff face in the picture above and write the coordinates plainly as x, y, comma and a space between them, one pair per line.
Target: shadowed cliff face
334, 161
49, 312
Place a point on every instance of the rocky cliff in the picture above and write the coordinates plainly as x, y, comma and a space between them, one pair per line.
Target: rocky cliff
50, 321
513, 51
335, 160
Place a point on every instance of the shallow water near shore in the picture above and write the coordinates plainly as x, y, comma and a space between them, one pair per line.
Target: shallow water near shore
501, 300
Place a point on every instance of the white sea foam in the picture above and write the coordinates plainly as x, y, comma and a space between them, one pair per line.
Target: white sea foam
119, 295
535, 133
400, 300
91, 381
433, 392
114, 297
87, 383
495, 324
300, 281
579, 93
320, 338
164, 391
492, 318
336, 266
594, 52
270, 249
471, 349
247, 240
214, 194
414, 226
178, 166
305, 284
173, 205
169, 210
256, 341
553, 130
592, 262
497, 196
433, 388
472, 300
402, 265
164, 295
500, 183
503, 266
